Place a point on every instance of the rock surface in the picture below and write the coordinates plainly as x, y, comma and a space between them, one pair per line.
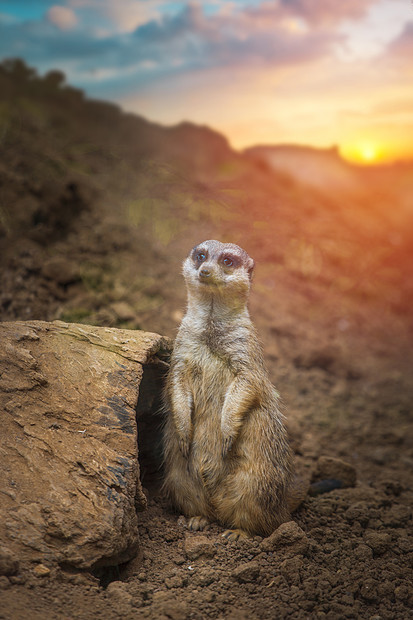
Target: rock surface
69, 472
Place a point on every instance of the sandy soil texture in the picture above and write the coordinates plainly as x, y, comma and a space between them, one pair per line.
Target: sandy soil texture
98, 211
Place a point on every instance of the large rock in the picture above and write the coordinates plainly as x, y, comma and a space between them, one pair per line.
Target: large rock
69, 472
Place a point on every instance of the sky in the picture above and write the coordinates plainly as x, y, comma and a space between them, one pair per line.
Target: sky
313, 72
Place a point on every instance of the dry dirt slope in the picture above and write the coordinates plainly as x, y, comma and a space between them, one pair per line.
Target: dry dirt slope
97, 211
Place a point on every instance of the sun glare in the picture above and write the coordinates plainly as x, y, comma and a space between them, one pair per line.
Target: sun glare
363, 153
368, 153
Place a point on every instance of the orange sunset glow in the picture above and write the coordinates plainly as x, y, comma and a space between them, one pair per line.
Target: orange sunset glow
317, 73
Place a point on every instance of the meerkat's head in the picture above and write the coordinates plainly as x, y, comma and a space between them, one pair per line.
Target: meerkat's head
215, 268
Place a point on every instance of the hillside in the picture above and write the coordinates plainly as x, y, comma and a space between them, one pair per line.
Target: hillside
98, 209
310, 165
74, 168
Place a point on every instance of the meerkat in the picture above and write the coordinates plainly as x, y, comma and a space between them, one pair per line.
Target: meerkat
227, 457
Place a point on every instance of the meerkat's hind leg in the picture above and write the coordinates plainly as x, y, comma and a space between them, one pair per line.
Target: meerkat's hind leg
235, 534
197, 523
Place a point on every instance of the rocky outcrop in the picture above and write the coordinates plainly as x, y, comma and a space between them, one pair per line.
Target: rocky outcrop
69, 471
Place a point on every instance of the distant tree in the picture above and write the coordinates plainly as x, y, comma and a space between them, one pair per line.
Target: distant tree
54, 80
18, 70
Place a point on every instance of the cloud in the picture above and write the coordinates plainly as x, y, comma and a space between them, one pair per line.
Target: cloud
194, 40
174, 43
62, 17
314, 12
402, 46
124, 15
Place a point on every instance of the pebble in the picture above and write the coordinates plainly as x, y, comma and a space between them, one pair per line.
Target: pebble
379, 542
166, 604
358, 512
118, 590
405, 543
363, 552
402, 592
41, 570
290, 569
397, 516
123, 311
8, 563
196, 546
174, 582
4, 583
287, 535
368, 590
205, 577
249, 571
61, 270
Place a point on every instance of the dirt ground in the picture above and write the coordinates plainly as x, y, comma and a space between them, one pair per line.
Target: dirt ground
352, 556
331, 298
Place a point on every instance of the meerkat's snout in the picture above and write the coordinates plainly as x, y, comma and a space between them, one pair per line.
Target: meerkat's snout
205, 273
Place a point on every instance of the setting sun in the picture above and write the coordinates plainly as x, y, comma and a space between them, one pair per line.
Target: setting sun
363, 153
368, 153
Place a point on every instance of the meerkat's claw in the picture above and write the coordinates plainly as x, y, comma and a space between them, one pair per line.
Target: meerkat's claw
235, 534
197, 523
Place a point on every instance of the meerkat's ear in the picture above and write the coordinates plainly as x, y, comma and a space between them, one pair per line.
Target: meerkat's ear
250, 267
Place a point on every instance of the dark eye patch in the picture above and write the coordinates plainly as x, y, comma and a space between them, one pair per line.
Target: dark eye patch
230, 260
199, 256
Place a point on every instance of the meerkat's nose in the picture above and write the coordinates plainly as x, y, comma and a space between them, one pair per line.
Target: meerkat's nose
205, 272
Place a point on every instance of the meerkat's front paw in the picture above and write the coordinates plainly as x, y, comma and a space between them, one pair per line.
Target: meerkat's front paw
235, 534
197, 523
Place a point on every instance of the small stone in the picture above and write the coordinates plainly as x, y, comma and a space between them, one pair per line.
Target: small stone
196, 546
368, 590
397, 516
358, 512
123, 311
290, 569
328, 467
165, 604
4, 583
118, 591
405, 543
9, 565
363, 552
287, 535
402, 592
174, 582
378, 541
249, 571
18, 580
385, 589
205, 577
60, 270
41, 570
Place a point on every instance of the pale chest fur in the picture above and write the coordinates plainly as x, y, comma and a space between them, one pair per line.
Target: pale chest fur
208, 376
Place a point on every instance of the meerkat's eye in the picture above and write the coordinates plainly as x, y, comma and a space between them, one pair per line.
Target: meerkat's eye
228, 260
200, 257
